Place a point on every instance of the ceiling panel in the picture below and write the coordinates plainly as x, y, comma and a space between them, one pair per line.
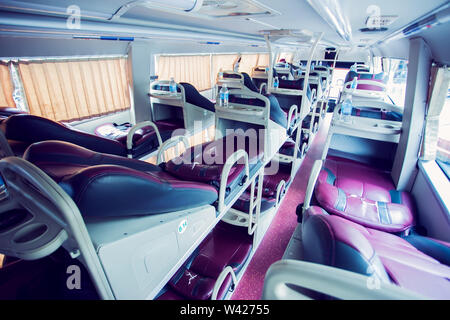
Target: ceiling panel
295, 14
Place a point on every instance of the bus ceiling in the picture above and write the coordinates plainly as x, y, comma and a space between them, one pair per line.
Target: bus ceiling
354, 27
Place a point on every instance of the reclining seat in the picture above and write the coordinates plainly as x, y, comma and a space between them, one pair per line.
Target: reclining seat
277, 115
372, 85
286, 101
205, 162
226, 246
104, 185
307, 121
335, 241
259, 77
269, 188
23, 130
364, 195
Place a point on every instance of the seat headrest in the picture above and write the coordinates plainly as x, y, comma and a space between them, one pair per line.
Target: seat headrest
249, 83
194, 97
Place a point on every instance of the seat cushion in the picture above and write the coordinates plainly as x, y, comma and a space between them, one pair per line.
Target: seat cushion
204, 163
364, 195
288, 148
274, 174
225, 246
243, 203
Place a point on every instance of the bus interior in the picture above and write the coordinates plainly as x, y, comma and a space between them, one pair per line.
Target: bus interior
224, 150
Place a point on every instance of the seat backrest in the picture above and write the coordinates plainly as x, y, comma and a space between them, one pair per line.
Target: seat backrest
340, 243
276, 112
30, 129
286, 101
60, 159
249, 83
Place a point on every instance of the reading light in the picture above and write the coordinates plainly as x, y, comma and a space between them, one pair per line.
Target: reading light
331, 12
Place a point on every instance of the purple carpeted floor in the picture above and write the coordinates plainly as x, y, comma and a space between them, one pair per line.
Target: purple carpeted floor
280, 231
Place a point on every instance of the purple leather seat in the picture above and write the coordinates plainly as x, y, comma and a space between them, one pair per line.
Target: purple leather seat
287, 101
339, 242
269, 189
288, 149
226, 245
277, 114
364, 195
23, 130
204, 163
107, 185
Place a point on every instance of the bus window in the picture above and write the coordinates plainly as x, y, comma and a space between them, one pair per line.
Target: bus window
337, 82
443, 145
396, 86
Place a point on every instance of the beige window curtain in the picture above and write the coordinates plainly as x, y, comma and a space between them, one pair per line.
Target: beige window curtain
248, 61
439, 84
192, 69
288, 56
7, 87
263, 59
76, 89
223, 61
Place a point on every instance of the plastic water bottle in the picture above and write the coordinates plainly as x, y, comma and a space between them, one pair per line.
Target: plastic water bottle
220, 74
354, 68
276, 83
346, 109
172, 87
223, 96
354, 84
